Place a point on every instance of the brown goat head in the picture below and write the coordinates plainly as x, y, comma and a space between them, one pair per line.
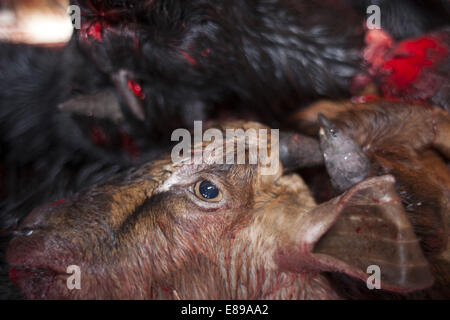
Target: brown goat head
215, 231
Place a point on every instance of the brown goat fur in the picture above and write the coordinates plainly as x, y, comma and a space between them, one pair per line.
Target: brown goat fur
136, 241
146, 235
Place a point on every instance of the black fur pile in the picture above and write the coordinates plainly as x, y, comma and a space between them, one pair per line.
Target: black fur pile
193, 60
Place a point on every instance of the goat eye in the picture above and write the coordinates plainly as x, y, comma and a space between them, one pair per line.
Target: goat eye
205, 190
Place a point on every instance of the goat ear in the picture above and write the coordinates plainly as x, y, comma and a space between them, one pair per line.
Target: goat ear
366, 226
104, 105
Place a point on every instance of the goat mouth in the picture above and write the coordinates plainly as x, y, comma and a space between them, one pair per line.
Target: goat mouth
36, 282
36, 272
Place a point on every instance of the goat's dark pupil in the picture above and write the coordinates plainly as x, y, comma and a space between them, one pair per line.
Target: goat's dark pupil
208, 190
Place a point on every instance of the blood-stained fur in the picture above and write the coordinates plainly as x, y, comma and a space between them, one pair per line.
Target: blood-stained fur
150, 234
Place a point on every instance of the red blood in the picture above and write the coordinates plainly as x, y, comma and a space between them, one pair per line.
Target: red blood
137, 44
95, 31
167, 289
364, 98
206, 52
136, 89
98, 136
358, 230
13, 275
57, 203
128, 145
189, 58
408, 60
